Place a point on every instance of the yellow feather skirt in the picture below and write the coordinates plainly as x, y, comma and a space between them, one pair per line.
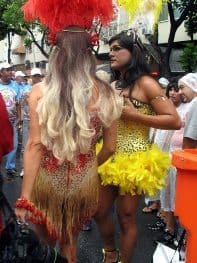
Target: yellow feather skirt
142, 172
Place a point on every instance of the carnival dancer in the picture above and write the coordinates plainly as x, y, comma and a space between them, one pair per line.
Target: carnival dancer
137, 167
67, 111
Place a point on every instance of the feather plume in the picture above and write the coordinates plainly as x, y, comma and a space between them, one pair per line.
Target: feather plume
135, 7
58, 14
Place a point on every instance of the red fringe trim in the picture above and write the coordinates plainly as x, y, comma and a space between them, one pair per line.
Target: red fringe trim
37, 217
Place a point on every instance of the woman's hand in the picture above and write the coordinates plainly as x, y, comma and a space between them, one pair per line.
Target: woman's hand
128, 109
21, 214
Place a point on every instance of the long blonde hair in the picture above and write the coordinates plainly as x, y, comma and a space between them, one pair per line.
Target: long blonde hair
63, 111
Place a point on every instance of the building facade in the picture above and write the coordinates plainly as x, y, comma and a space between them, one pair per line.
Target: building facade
32, 57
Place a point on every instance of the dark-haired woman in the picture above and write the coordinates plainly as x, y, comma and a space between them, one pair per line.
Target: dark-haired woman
67, 111
137, 167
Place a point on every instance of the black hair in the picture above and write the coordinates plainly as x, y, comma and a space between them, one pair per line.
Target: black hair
137, 66
172, 85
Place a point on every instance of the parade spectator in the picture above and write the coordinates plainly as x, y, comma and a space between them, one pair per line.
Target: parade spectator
36, 76
19, 80
6, 131
172, 141
190, 134
6, 142
163, 83
188, 88
11, 96
126, 175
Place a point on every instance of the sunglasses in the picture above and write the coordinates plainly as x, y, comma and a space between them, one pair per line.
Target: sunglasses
115, 48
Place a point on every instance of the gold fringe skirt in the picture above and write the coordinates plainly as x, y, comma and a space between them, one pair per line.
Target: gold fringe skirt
65, 202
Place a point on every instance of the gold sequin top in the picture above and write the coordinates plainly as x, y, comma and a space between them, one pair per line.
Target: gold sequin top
132, 136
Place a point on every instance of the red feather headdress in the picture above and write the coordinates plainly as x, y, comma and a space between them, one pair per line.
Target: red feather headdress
58, 14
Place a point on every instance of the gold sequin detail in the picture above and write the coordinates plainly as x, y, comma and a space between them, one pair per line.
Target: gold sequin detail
67, 194
132, 136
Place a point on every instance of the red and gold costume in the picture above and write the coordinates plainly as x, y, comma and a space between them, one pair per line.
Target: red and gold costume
65, 196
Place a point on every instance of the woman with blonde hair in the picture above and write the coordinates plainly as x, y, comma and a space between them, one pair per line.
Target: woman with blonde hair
67, 112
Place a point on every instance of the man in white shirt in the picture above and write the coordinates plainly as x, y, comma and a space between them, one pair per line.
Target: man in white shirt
188, 88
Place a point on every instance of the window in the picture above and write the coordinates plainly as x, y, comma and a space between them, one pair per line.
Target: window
164, 14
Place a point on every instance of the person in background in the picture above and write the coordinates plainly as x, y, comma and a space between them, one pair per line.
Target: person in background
19, 80
163, 83
6, 142
11, 96
172, 140
6, 132
188, 89
36, 76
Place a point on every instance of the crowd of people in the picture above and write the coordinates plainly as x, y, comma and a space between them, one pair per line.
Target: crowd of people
89, 145
182, 93
15, 88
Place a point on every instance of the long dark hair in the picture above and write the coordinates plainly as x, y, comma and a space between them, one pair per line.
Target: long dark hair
137, 66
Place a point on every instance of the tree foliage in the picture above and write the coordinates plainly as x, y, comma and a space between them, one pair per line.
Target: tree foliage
191, 23
191, 18
11, 20
185, 8
188, 59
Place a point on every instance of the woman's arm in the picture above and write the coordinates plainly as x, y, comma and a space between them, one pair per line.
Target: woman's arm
109, 143
32, 154
166, 115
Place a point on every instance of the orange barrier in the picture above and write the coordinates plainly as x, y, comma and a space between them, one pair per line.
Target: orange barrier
186, 195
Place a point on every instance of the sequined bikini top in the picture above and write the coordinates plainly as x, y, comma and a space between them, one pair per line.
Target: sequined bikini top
134, 136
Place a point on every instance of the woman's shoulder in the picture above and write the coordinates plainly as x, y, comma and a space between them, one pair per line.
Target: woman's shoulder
147, 81
149, 85
37, 90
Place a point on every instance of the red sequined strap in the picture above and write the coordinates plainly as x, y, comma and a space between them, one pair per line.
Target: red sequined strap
22, 202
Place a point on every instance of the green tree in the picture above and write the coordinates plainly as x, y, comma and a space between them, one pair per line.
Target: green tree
188, 59
12, 21
185, 8
191, 23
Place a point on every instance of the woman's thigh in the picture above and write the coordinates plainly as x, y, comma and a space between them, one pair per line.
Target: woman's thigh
107, 196
127, 206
